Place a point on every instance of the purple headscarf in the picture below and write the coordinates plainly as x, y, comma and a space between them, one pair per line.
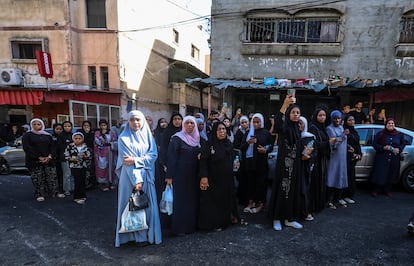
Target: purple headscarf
193, 138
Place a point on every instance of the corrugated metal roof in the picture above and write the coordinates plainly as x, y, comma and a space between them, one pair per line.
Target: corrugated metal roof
315, 86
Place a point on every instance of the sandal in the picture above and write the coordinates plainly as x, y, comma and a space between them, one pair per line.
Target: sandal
257, 209
234, 220
331, 205
249, 207
309, 217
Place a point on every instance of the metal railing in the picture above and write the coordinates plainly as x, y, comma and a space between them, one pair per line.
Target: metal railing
287, 30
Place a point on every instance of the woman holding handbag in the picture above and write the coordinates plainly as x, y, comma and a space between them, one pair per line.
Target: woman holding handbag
137, 153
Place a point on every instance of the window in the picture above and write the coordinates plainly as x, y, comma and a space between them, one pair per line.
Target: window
92, 112
195, 52
407, 29
176, 36
291, 30
104, 78
96, 13
26, 49
92, 77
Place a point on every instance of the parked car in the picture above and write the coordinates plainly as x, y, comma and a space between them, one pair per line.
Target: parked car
363, 168
12, 158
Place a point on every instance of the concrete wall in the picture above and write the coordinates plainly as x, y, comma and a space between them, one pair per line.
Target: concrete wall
72, 45
369, 33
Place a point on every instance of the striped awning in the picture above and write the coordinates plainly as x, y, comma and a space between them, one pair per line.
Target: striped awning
21, 97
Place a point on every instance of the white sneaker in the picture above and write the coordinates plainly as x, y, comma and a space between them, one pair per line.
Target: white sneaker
61, 195
410, 228
40, 199
349, 200
342, 202
293, 224
79, 201
277, 226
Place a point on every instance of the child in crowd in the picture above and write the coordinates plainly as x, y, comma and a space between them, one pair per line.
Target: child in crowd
78, 154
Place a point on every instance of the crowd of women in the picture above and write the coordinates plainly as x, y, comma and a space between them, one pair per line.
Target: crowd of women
315, 167
64, 162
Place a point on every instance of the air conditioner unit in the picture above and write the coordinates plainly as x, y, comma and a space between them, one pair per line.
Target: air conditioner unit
11, 76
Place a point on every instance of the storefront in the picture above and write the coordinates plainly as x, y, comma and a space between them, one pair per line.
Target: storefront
18, 106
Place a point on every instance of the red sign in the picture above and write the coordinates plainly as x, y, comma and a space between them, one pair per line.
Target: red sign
44, 64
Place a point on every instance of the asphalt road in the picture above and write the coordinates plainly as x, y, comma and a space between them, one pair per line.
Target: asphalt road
60, 232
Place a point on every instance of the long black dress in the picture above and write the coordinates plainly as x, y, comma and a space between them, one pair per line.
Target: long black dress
256, 167
241, 173
353, 151
287, 199
216, 202
182, 167
318, 178
308, 168
161, 162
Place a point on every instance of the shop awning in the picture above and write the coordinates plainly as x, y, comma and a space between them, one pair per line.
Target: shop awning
21, 97
59, 96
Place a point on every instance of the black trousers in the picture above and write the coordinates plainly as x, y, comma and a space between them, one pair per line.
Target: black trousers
79, 175
59, 176
349, 192
412, 218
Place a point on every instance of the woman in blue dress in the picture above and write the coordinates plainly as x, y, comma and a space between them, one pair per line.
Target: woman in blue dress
182, 173
337, 179
137, 153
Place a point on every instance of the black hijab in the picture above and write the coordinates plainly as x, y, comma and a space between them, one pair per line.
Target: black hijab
159, 131
315, 122
291, 128
171, 129
221, 146
346, 126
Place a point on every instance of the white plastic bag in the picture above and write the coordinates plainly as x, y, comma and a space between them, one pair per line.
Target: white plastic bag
102, 162
133, 221
166, 203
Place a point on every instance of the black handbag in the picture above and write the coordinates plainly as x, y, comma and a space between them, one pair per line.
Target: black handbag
138, 201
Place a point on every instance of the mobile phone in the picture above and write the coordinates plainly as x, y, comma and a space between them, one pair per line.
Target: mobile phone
292, 92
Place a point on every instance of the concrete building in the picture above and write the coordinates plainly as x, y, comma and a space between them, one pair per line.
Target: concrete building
348, 50
109, 56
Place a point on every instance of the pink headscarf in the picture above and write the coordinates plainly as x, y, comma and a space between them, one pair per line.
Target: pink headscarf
42, 130
192, 139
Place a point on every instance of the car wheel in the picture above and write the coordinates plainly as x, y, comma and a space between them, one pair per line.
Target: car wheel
4, 169
407, 179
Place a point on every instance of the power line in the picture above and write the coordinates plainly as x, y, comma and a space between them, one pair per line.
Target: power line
233, 15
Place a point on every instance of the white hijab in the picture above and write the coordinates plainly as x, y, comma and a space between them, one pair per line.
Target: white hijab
249, 152
305, 133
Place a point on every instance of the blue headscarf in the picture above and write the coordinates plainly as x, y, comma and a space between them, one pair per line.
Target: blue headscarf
203, 133
335, 113
139, 144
